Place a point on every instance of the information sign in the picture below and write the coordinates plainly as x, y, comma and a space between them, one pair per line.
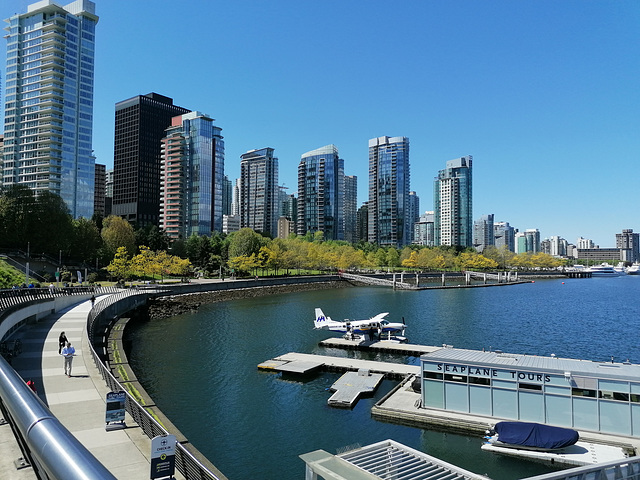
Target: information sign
115, 407
163, 456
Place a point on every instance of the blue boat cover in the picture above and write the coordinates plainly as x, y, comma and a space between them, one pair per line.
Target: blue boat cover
535, 435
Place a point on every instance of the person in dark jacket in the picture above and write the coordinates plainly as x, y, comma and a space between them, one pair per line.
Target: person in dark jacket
62, 341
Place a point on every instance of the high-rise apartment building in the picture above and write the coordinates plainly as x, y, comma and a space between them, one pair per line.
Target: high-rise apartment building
100, 187
483, 232
108, 192
362, 220
414, 213
48, 124
388, 207
227, 196
259, 191
504, 236
630, 243
321, 193
351, 208
557, 246
423, 230
528, 241
453, 202
192, 177
140, 126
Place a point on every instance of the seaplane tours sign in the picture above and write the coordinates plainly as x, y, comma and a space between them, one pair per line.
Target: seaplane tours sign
115, 407
163, 456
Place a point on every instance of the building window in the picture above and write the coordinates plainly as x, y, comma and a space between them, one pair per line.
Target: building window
607, 395
583, 392
437, 376
480, 380
456, 378
529, 386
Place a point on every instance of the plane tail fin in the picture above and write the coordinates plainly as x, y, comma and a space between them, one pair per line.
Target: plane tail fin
321, 319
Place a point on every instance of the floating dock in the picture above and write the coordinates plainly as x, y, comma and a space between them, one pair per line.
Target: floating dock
388, 346
304, 363
351, 386
579, 454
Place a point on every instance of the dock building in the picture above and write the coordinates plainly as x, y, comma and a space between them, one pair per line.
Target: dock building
591, 396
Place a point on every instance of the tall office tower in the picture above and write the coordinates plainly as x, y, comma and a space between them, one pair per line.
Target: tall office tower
521, 243
227, 196
140, 126
532, 238
414, 213
289, 207
630, 243
423, 230
48, 123
557, 246
389, 223
483, 232
235, 199
108, 192
351, 208
100, 187
453, 201
321, 193
192, 177
259, 191
504, 235
362, 219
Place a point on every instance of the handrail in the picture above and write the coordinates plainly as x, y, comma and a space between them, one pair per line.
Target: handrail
54, 451
186, 463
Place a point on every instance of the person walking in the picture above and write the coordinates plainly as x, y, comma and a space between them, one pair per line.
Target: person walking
62, 341
68, 352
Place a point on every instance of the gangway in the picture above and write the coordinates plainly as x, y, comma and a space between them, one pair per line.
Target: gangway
381, 282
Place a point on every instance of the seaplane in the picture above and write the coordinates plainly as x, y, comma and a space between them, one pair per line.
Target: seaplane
373, 327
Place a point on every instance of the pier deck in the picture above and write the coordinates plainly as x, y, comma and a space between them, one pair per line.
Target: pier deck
408, 349
292, 361
351, 386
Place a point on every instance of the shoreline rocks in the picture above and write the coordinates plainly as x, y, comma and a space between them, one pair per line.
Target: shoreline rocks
165, 307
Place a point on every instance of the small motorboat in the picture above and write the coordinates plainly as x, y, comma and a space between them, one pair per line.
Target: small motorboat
531, 436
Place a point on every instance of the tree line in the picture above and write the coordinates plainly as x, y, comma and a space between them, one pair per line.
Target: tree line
43, 225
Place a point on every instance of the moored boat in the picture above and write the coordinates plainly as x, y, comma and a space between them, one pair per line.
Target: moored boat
634, 269
602, 270
531, 436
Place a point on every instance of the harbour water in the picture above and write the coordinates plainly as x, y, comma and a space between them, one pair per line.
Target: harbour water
201, 368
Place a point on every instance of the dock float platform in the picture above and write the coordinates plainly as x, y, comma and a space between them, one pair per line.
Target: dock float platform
308, 363
579, 454
388, 346
351, 386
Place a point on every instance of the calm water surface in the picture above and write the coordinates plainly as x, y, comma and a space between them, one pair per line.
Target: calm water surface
201, 369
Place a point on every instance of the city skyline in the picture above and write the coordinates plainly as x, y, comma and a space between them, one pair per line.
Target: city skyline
542, 95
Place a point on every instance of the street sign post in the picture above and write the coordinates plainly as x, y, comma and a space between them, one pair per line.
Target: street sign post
163, 456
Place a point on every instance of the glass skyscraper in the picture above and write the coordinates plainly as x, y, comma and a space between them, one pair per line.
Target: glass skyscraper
192, 177
389, 223
321, 193
453, 203
259, 191
49, 102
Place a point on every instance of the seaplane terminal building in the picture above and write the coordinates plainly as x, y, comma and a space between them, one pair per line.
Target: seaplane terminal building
585, 395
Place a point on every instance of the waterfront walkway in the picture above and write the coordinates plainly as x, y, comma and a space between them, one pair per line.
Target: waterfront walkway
77, 401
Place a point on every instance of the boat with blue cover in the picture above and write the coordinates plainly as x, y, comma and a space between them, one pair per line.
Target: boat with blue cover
531, 436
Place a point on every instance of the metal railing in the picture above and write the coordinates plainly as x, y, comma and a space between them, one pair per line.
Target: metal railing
186, 462
627, 469
52, 450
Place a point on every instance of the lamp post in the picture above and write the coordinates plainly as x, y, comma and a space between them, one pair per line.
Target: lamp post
26, 270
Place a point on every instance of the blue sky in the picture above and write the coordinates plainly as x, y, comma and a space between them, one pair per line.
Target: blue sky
544, 94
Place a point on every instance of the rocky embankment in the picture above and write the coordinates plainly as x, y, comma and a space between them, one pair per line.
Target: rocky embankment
165, 307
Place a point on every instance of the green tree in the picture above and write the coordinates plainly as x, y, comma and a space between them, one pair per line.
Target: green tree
116, 233
245, 242
86, 240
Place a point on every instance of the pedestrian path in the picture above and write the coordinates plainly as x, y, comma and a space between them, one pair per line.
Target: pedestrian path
79, 401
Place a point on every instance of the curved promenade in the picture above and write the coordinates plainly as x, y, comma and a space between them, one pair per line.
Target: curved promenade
77, 401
